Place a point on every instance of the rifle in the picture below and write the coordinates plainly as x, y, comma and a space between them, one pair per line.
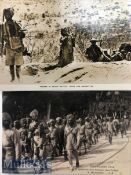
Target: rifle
1, 40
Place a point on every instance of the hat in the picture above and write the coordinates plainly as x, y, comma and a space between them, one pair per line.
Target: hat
37, 131
34, 113
79, 120
58, 118
23, 121
16, 121
93, 40
70, 116
8, 10
6, 116
51, 120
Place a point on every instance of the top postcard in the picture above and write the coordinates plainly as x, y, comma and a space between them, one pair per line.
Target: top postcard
65, 42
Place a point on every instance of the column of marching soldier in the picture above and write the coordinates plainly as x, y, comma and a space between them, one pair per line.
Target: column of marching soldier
30, 138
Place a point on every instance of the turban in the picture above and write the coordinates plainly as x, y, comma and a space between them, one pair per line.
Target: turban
6, 116
9, 10
34, 113
70, 116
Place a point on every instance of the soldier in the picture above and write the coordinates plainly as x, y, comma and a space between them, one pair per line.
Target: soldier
105, 57
128, 56
71, 141
60, 130
40, 152
109, 126
115, 123
38, 144
17, 125
88, 131
94, 52
81, 135
53, 134
34, 123
10, 144
95, 131
104, 127
13, 35
67, 44
25, 141
122, 127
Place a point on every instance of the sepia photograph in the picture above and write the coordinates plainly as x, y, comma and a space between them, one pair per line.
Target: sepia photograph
65, 42
66, 132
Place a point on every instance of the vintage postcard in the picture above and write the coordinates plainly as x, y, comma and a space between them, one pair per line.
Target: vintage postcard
65, 42
64, 133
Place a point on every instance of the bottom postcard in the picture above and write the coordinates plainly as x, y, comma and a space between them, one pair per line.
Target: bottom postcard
66, 132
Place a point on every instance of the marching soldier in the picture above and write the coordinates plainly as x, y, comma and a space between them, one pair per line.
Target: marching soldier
34, 123
25, 142
10, 144
80, 135
60, 130
88, 131
17, 125
53, 134
71, 141
109, 126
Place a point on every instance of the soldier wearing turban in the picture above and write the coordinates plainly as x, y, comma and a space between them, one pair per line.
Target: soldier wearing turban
10, 142
13, 39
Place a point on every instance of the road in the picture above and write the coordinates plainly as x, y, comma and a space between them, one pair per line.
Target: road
101, 159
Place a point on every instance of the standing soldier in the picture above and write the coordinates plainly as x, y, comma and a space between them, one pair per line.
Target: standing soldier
60, 129
53, 134
13, 35
67, 43
34, 123
122, 127
17, 125
10, 144
80, 135
88, 131
109, 126
95, 131
115, 123
25, 144
71, 141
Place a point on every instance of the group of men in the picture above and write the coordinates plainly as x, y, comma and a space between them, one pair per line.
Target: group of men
30, 138
96, 53
13, 35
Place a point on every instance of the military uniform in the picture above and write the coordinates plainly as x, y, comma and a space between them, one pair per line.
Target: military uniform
81, 139
10, 144
60, 131
66, 48
71, 141
13, 36
24, 140
53, 135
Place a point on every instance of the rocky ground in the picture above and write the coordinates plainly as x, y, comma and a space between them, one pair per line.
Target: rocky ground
74, 73
101, 159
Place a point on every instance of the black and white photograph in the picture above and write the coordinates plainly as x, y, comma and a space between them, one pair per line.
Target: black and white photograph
65, 42
66, 132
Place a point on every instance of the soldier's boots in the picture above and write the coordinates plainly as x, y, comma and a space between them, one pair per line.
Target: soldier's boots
77, 165
12, 73
18, 69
